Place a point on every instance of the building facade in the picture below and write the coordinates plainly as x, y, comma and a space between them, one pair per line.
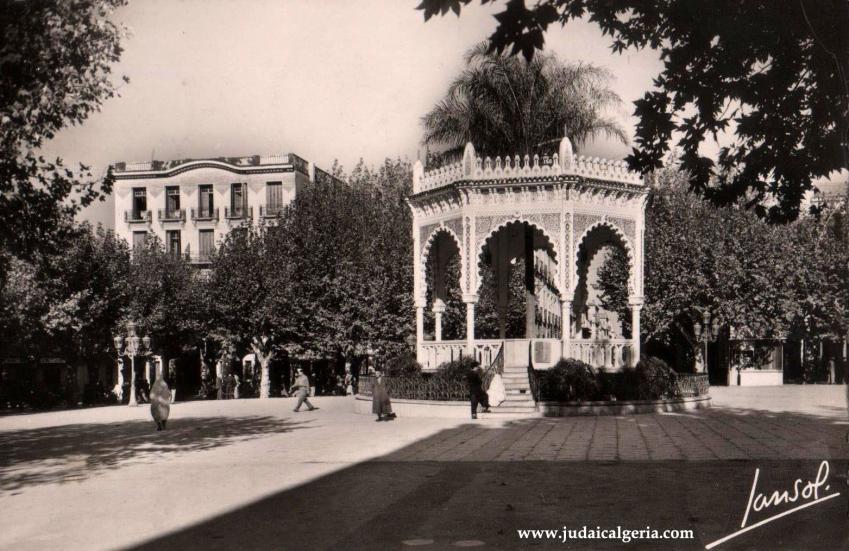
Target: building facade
191, 204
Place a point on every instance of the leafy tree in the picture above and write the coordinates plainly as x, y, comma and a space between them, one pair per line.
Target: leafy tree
55, 58
818, 250
349, 288
163, 298
768, 281
88, 284
454, 317
504, 104
25, 303
613, 284
486, 311
244, 292
773, 73
66, 304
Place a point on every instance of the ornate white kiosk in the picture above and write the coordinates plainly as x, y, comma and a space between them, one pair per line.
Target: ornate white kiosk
552, 213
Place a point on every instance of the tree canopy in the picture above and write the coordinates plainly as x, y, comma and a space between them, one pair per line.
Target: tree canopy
773, 75
507, 105
324, 280
768, 281
55, 58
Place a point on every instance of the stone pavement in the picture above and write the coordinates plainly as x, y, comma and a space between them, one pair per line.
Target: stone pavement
252, 474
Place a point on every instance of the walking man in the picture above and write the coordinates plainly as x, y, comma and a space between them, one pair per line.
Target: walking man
476, 392
302, 386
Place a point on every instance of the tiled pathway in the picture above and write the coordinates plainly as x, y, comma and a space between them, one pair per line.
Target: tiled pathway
224, 466
704, 435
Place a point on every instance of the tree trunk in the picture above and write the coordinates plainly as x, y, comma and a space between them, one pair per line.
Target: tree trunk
263, 358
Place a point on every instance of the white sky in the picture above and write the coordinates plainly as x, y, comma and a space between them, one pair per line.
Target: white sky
326, 79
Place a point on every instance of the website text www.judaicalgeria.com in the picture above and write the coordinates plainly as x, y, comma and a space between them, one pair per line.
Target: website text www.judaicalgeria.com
625, 535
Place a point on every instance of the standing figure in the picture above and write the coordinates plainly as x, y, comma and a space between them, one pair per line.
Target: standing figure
380, 403
160, 401
476, 392
302, 386
497, 392
349, 382
118, 389
236, 387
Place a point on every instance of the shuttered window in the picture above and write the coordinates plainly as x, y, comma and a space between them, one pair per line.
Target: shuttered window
205, 205
172, 242
139, 202
138, 239
238, 199
274, 197
206, 243
172, 200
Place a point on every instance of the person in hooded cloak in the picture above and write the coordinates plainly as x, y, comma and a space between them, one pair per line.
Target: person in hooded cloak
160, 401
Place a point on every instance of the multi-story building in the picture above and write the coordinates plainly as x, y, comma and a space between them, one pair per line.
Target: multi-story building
191, 204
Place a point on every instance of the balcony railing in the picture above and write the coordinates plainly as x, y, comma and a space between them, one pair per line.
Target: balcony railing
137, 216
238, 213
201, 258
205, 214
272, 211
172, 215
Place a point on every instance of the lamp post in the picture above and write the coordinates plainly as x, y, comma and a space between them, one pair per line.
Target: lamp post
132, 345
706, 332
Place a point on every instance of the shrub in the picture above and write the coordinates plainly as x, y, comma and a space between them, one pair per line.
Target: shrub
569, 380
402, 365
617, 385
456, 370
656, 380
626, 384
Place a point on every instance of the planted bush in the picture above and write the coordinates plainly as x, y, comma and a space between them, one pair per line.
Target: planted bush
456, 370
656, 380
618, 385
569, 380
403, 365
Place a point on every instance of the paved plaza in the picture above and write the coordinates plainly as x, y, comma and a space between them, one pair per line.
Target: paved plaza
253, 474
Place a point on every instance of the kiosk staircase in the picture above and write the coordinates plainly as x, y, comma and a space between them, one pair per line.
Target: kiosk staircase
519, 397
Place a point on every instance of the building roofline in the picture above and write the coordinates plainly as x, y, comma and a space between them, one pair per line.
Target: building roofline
255, 164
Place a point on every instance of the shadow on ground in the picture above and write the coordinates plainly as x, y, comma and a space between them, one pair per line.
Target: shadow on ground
457, 500
74, 452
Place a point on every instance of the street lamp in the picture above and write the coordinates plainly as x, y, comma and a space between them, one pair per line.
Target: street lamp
706, 332
132, 345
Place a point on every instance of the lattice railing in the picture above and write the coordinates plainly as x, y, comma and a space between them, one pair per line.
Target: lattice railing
418, 388
693, 384
610, 353
495, 368
486, 168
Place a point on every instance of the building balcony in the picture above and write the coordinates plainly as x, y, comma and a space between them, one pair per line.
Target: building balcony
201, 258
175, 215
272, 211
239, 213
199, 215
137, 216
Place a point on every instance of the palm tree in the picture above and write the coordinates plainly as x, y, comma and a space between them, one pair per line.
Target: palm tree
506, 105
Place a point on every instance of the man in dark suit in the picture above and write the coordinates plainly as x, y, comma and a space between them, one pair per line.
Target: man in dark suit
476, 392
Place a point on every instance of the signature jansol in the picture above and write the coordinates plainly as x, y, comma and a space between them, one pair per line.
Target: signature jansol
805, 492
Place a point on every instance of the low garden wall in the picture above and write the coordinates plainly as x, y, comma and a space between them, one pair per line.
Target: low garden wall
417, 396
626, 407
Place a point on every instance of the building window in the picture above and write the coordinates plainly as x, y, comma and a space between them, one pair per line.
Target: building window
238, 199
139, 238
206, 244
172, 201
172, 242
139, 203
274, 197
206, 204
